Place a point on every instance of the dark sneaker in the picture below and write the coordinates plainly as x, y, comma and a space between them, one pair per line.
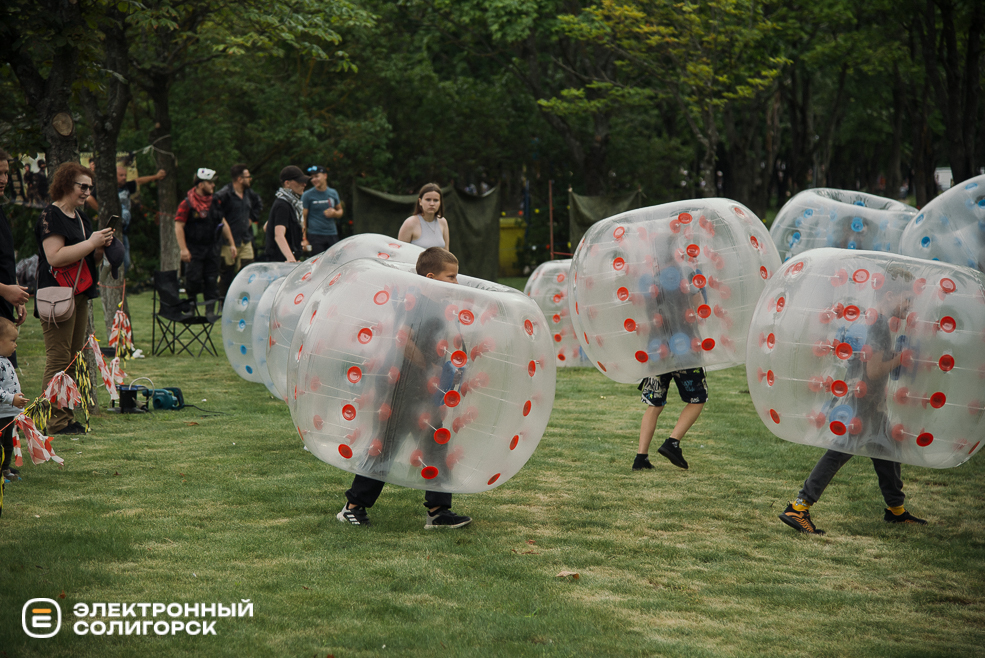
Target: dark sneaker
640, 464
445, 518
354, 516
671, 449
14, 471
800, 521
905, 517
10, 476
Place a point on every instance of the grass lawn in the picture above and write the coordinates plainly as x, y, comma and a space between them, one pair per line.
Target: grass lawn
176, 507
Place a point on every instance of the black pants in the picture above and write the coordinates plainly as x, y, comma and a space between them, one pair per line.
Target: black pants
890, 482
7, 441
365, 491
320, 243
202, 273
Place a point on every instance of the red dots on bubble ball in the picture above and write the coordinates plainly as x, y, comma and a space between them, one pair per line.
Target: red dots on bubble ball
753, 241
532, 368
919, 285
775, 416
852, 313
684, 218
618, 263
557, 298
821, 348
704, 311
528, 326
840, 278
365, 335
493, 479
946, 363
855, 426
298, 298
514, 441
381, 298
924, 439
354, 374
770, 341
558, 338
348, 412
466, 316
898, 433
441, 347
526, 407
442, 436
693, 250
938, 399
459, 358
838, 428
843, 351
599, 363
770, 378
642, 356
690, 316
860, 390
375, 448
902, 395
556, 318
629, 325
947, 324
318, 422
622, 294
393, 375
708, 344
948, 286
780, 303
815, 384
560, 277
385, 412
618, 233
826, 316
860, 276
839, 388
452, 398
699, 280
335, 279
429, 472
345, 451
763, 272
417, 457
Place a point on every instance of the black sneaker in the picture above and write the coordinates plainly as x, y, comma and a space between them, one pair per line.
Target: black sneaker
800, 521
905, 517
11, 474
641, 463
671, 449
354, 516
445, 518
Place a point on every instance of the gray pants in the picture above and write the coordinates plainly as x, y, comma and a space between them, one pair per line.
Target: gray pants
890, 482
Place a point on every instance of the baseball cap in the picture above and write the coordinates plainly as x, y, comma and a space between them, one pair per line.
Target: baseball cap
290, 172
316, 169
204, 174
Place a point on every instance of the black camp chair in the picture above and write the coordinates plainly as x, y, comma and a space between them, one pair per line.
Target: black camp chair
182, 326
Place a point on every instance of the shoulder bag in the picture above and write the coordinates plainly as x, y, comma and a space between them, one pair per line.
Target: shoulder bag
57, 303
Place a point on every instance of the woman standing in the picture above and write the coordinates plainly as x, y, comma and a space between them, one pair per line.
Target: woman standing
66, 243
427, 227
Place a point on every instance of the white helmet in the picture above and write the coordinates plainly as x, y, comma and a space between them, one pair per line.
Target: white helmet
205, 174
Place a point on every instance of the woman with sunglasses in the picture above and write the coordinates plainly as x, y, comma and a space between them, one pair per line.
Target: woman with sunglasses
66, 243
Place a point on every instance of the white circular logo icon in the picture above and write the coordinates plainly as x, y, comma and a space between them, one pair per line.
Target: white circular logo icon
41, 618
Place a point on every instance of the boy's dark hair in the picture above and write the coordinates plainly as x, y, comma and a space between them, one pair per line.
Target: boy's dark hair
237, 170
6, 326
434, 259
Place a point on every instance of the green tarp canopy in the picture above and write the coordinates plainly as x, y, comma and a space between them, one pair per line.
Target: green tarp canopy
473, 223
586, 210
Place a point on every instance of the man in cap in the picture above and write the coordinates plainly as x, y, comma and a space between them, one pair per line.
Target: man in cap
198, 231
239, 207
321, 207
283, 230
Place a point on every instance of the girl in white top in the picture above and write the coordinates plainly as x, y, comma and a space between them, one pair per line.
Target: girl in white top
426, 227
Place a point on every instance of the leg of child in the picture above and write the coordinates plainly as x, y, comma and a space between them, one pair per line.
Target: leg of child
647, 427
891, 485
688, 415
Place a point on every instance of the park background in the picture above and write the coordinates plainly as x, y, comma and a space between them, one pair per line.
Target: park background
754, 101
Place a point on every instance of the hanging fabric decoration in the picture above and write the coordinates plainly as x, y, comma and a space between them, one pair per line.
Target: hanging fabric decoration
62, 391
104, 370
18, 455
86, 394
116, 372
121, 336
39, 411
38, 445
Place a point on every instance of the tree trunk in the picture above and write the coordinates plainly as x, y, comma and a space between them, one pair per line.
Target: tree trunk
167, 189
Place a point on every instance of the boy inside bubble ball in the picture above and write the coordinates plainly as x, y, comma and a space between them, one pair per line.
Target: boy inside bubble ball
873, 375
412, 415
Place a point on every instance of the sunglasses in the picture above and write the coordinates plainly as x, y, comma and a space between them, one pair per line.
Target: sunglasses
85, 187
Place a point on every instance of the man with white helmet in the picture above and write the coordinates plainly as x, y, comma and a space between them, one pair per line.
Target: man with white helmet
198, 232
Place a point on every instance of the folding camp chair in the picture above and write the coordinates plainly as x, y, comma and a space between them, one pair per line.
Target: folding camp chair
182, 326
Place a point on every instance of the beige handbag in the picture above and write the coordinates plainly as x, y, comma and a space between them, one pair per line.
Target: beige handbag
57, 303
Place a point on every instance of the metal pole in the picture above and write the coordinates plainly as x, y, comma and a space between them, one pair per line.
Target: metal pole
550, 213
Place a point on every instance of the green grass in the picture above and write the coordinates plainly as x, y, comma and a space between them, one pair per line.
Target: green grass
177, 507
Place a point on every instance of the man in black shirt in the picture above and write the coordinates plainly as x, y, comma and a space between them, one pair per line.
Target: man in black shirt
13, 298
239, 208
283, 228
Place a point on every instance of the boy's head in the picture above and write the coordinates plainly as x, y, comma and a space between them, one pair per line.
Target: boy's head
8, 337
439, 264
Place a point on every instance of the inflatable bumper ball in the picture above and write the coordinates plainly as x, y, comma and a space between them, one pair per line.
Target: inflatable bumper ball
239, 309
951, 228
839, 218
418, 382
872, 354
548, 287
669, 287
